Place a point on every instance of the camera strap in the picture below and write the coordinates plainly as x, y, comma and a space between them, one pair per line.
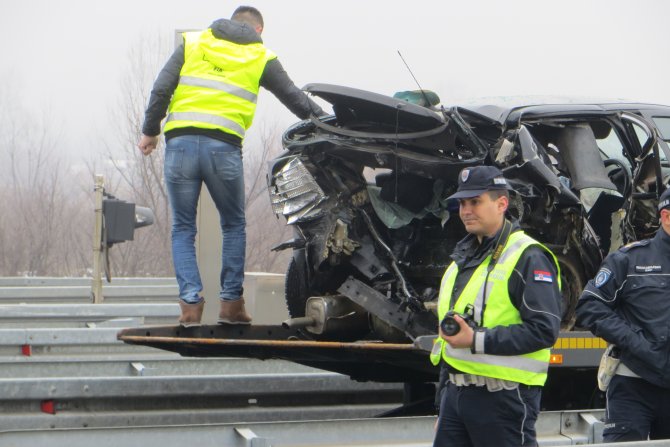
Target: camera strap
503, 237
498, 248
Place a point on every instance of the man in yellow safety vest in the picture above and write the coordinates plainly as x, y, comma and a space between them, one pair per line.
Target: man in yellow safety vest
499, 313
209, 88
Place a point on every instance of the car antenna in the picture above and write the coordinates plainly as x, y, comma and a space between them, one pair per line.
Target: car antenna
425, 97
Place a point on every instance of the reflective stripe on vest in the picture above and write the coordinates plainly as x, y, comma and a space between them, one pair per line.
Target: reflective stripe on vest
530, 369
218, 84
512, 361
218, 121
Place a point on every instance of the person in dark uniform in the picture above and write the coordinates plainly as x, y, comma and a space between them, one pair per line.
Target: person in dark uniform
628, 305
499, 306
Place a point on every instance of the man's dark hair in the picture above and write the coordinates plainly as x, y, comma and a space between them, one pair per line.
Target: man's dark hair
498, 193
248, 14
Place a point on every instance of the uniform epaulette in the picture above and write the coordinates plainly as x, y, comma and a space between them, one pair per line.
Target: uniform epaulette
642, 243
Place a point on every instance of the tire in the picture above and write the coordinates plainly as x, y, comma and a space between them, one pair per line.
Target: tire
572, 281
295, 289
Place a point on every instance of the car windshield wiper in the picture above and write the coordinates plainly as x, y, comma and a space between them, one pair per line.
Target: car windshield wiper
464, 130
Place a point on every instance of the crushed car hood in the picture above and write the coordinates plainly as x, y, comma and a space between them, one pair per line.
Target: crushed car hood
351, 104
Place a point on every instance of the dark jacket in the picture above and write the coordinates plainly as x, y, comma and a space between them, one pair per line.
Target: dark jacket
274, 78
538, 301
628, 304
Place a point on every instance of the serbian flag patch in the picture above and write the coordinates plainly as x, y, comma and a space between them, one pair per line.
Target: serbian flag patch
541, 275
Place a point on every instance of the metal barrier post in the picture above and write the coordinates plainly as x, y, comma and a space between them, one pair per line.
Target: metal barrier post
96, 289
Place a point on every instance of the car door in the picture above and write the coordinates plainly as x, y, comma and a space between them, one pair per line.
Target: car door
648, 179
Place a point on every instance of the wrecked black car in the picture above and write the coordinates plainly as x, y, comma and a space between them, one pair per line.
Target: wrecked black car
365, 191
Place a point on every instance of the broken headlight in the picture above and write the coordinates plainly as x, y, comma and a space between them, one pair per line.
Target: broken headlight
295, 194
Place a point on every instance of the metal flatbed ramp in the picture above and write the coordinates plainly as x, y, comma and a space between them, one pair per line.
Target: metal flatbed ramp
363, 360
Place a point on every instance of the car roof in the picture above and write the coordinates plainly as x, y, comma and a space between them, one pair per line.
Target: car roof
511, 109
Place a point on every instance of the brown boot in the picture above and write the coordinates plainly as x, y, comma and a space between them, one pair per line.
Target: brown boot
233, 312
191, 314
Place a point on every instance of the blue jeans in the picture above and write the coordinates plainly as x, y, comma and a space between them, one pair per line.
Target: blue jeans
191, 160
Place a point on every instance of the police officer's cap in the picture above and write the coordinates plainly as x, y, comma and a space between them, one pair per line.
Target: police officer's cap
664, 200
476, 180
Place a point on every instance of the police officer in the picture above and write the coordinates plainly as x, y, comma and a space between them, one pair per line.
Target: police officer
508, 285
628, 305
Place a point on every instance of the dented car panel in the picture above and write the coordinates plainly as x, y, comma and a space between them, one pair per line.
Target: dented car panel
365, 190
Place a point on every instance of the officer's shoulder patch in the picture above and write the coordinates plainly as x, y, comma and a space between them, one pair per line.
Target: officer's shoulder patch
636, 244
602, 277
542, 276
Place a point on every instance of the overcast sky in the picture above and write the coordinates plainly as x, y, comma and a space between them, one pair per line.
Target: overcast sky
70, 56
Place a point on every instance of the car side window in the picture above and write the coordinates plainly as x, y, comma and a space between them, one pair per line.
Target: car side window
612, 147
663, 126
641, 135
643, 138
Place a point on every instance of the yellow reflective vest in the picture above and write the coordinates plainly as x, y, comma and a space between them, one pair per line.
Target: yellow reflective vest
530, 369
218, 84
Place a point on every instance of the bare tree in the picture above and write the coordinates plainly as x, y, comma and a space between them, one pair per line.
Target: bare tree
40, 214
134, 177
264, 230
47, 221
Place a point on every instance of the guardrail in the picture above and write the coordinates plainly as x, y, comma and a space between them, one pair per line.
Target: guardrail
84, 377
118, 314
554, 428
53, 281
62, 369
263, 293
78, 290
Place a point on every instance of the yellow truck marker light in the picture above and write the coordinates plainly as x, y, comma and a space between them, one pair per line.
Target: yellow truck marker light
580, 343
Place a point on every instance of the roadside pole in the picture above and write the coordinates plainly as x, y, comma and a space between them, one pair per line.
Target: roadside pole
96, 290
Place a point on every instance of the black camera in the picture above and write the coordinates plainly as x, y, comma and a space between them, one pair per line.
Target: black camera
450, 326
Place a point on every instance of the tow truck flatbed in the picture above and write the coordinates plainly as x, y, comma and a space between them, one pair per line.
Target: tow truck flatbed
571, 382
361, 360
